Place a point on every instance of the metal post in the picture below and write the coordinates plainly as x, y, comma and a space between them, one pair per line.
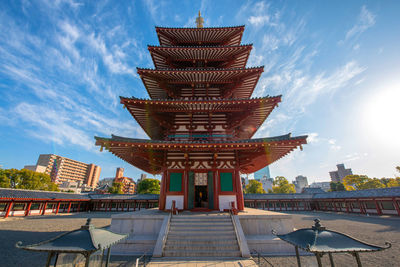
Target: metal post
357, 259
50, 255
55, 262
331, 259
318, 259
102, 258
297, 256
108, 256
87, 260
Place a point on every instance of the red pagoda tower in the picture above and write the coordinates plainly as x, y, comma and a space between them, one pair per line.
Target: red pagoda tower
200, 118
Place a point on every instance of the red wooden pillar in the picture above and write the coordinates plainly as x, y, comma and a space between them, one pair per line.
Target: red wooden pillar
163, 191
263, 205
297, 205
280, 205
216, 189
334, 206
69, 206
378, 208
110, 208
127, 208
79, 207
9, 207
134, 205
396, 205
58, 207
117, 205
44, 208
268, 205
239, 191
361, 206
28, 209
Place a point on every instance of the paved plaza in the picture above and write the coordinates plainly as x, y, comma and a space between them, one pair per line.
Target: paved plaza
371, 229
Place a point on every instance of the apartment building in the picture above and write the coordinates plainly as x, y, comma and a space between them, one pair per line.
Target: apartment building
62, 169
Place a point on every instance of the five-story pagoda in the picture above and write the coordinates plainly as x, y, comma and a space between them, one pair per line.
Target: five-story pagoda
200, 118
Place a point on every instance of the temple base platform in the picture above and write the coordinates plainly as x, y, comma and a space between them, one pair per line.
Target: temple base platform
149, 230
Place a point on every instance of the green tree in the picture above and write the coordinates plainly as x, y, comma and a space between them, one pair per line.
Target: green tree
337, 186
371, 184
353, 182
116, 188
398, 168
27, 179
148, 186
392, 182
282, 186
4, 180
254, 187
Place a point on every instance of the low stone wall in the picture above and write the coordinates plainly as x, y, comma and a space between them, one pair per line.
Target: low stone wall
257, 226
143, 228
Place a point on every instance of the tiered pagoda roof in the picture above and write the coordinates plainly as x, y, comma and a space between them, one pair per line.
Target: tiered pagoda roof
176, 83
158, 117
166, 57
200, 106
150, 155
200, 36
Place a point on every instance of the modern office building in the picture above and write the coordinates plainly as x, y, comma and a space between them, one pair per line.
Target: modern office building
337, 176
62, 169
263, 173
300, 183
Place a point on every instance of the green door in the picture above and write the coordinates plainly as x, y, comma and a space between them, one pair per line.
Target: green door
210, 182
191, 191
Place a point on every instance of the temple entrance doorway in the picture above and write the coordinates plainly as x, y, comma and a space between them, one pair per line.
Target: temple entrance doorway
200, 190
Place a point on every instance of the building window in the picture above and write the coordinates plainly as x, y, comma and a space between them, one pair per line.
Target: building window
226, 181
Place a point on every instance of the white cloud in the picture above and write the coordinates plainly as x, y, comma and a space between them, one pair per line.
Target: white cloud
333, 145
259, 20
113, 61
312, 138
365, 20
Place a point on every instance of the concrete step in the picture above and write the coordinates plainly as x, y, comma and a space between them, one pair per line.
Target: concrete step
201, 228
201, 231
201, 237
205, 253
201, 234
199, 219
200, 247
219, 241
199, 224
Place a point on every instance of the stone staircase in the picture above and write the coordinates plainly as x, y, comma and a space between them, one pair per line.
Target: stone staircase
201, 235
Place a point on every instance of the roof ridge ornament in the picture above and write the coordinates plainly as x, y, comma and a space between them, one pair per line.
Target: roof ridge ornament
199, 21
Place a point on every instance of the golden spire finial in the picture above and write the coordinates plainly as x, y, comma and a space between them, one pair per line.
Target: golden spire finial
199, 21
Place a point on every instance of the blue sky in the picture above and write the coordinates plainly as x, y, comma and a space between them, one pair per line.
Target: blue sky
64, 64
